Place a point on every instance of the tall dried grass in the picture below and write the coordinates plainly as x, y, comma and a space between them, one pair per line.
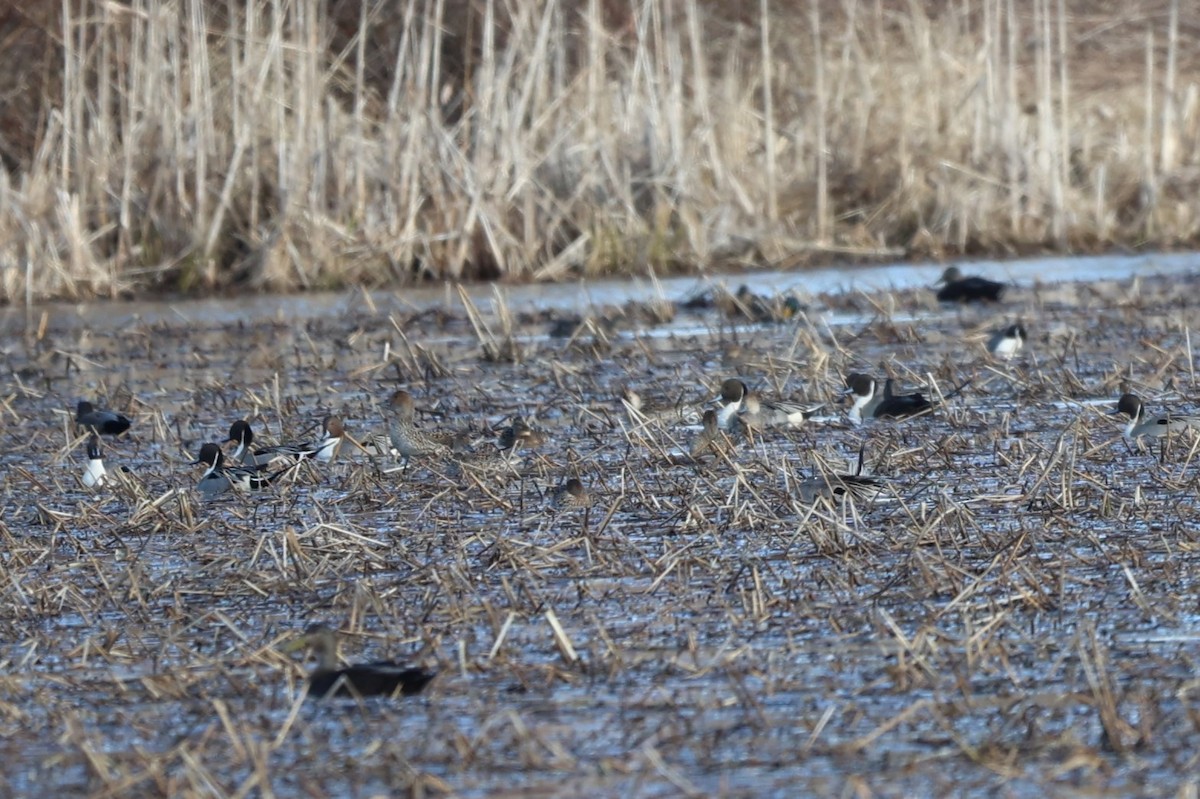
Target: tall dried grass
191, 144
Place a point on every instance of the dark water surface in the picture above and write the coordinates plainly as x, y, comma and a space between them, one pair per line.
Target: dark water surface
1017, 616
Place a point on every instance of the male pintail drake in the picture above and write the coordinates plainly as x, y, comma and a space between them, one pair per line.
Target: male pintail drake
331, 680
901, 406
94, 473
871, 401
867, 395
956, 288
739, 407
103, 422
1143, 424
334, 432
219, 477
323, 450
1006, 343
839, 487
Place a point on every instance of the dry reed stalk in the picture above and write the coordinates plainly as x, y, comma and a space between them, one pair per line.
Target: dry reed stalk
535, 162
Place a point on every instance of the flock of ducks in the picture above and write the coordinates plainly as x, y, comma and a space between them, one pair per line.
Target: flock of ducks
736, 413
253, 468
250, 468
739, 412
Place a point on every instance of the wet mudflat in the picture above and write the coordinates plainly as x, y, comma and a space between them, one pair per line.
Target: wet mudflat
1017, 614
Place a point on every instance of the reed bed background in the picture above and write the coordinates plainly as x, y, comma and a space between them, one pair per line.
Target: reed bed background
193, 144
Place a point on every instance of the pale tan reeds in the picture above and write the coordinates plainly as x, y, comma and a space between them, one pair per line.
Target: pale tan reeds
189, 145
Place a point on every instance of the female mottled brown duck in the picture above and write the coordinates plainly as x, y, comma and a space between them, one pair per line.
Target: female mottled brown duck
329, 679
570, 495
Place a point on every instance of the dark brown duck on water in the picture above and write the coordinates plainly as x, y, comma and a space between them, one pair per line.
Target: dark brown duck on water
957, 288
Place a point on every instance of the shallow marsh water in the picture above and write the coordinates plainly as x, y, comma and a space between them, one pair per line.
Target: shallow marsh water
1019, 618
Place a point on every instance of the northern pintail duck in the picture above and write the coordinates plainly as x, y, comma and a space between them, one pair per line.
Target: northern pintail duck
94, 473
867, 395
330, 445
519, 435
901, 406
838, 487
570, 495
219, 477
956, 288
405, 437
457, 440
330, 679
1006, 343
104, 422
1144, 424
443, 441
710, 438
323, 450
873, 402
739, 408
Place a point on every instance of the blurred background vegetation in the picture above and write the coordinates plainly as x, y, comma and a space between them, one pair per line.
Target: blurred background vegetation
196, 145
